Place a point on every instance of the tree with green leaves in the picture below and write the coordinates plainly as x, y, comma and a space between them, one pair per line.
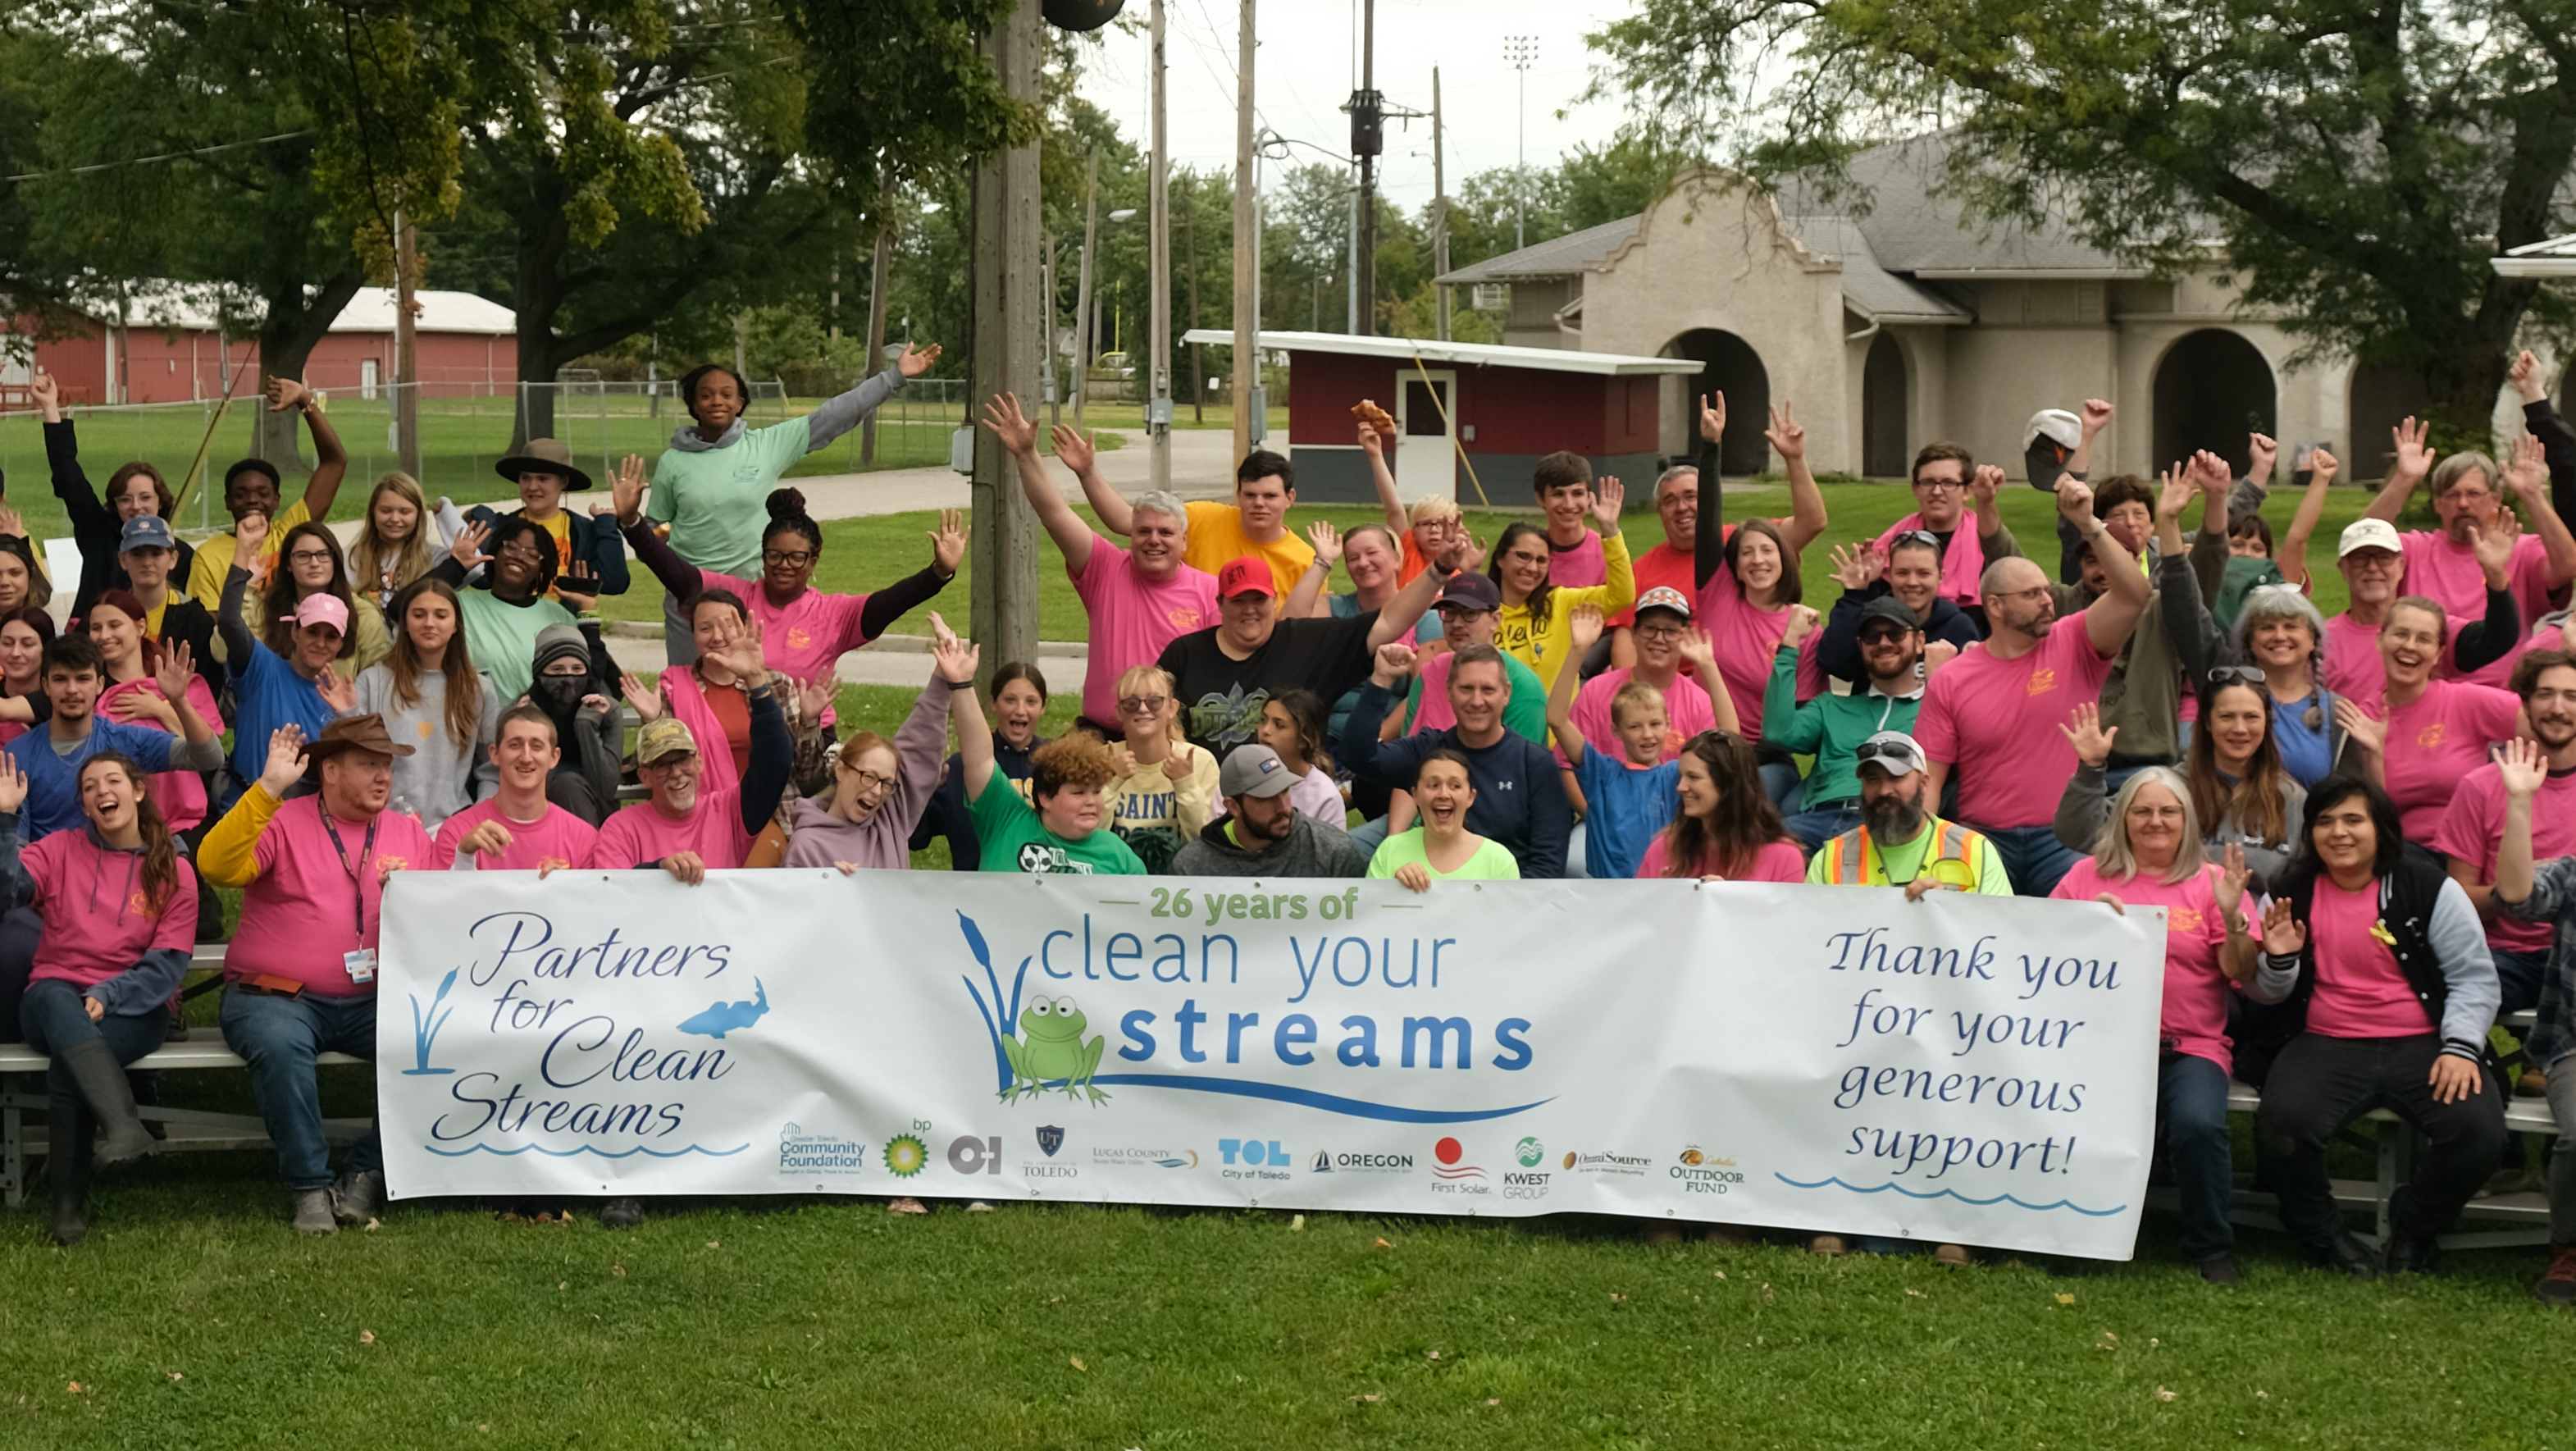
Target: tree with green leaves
2351, 164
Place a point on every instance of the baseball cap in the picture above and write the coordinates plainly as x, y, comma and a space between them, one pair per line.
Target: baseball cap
2056, 424
1468, 590
321, 608
1664, 597
662, 738
146, 531
1890, 609
1245, 574
2369, 534
1253, 770
1894, 751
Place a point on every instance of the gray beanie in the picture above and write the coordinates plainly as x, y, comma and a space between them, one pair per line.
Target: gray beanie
556, 640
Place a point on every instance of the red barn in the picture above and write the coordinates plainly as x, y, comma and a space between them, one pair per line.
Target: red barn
1470, 416
173, 348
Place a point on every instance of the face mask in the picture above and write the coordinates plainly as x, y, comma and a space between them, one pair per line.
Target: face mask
561, 693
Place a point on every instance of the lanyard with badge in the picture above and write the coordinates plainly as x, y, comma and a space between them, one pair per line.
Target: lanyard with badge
360, 962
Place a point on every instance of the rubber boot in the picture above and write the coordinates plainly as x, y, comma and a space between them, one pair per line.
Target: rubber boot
122, 1137
67, 1173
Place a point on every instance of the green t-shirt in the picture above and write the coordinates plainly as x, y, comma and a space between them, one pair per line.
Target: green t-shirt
502, 638
1491, 863
1014, 840
716, 500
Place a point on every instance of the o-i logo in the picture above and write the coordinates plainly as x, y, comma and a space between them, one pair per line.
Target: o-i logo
905, 1156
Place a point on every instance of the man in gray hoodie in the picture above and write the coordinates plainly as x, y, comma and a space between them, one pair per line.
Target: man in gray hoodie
1261, 834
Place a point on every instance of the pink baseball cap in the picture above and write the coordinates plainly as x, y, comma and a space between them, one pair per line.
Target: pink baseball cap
321, 608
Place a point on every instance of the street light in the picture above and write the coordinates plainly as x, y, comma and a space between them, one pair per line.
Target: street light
1521, 51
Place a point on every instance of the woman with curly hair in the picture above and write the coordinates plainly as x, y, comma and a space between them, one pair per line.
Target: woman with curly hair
310, 563
1727, 828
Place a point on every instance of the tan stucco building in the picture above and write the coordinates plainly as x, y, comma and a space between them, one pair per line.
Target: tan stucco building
1891, 326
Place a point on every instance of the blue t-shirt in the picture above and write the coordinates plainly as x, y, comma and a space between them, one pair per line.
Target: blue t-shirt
1624, 808
53, 778
270, 694
2306, 754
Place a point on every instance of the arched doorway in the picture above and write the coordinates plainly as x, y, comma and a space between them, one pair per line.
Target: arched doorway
2212, 388
1882, 410
1729, 366
2381, 396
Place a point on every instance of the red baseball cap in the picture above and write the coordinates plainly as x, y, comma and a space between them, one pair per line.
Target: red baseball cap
1247, 574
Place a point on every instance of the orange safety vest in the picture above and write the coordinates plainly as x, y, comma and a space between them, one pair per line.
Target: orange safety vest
1956, 858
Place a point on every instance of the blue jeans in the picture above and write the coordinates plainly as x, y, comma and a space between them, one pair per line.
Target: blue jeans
1813, 828
1781, 782
56, 1021
2033, 856
2519, 974
2191, 1123
280, 1038
1368, 836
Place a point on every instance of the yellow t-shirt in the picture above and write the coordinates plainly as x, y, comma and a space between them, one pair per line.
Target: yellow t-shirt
1217, 538
560, 526
215, 556
152, 617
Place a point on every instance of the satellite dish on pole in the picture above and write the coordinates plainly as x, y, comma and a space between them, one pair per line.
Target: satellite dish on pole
1081, 15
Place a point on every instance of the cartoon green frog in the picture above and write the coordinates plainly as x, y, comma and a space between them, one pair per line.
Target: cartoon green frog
1051, 1047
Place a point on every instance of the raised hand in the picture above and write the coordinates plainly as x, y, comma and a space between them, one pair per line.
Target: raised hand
1712, 416
285, 760
2180, 487
1074, 449
2493, 545
1585, 624
578, 588
1856, 566
47, 392
13, 783
2096, 415
1788, 437
626, 489
2362, 730
174, 669
2522, 769
467, 550
2091, 742
338, 692
2527, 472
1607, 496
1395, 661
1016, 431
2074, 499
1176, 764
2527, 381
2414, 455
813, 697
916, 361
2232, 877
741, 654
1937, 653
2213, 475
2261, 453
1475, 554
1985, 483
2283, 934
2322, 466
1371, 442
954, 658
645, 699
1327, 541
948, 542
1803, 620
285, 393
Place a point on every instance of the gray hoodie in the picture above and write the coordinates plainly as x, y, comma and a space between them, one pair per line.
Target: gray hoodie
817, 838
1311, 850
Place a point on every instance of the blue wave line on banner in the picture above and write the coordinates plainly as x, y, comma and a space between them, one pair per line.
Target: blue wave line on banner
1951, 1193
584, 1149
1308, 1098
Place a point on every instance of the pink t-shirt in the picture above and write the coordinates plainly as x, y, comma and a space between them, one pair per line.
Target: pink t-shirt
2438, 740
303, 912
558, 838
2473, 829
1662, 565
1132, 619
1778, 862
2361, 992
805, 637
2448, 573
1963, 560
1687, 712
2353, 667
181, 795
1744, 639
1996, 722
1580, 567
97, 921
2196, 990
640, 835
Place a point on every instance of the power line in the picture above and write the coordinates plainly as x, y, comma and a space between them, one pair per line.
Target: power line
148, 160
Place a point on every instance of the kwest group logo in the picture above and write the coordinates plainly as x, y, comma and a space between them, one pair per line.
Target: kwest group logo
1528, 1181
1701, 1172
1453, 1174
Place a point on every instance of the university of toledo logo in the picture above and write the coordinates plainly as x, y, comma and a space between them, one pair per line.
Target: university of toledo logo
1050, 1138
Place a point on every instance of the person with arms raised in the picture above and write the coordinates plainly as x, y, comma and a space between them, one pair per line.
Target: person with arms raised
2539, 893
1140, 598
120, 908
1628, 790
2148, 853
310, 554
1955, 504
251, 496
1831, 727
427, 689
1992, 715
2444, 565
1908, 570
1019, 705
1670, 658
135, 490
1748, 582
880, 787
1519, 794
518, 829
131, 664
1062, 826
1255, 524
272, 690
1263, 833
2386, 994
518, 599
688, 827
300, 975
2474, 826
709, 485
1223, 676
1535, 611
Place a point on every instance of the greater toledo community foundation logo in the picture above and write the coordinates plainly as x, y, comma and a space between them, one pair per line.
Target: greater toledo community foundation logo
803, 1152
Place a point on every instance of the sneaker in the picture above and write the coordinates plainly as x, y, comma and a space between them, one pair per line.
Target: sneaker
2502, 1181
313, 1212
1953, 1254
2412, 1254
2343, 1251
907, 1205
360, 1197
621, 1214
979, 1207
1660, 1236
2557, 1284
1828, 1244
2221, 1270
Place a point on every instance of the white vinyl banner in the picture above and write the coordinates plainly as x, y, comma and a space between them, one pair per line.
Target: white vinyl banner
1967, 1069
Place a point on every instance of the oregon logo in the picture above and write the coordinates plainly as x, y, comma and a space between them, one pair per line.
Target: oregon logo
905, 1156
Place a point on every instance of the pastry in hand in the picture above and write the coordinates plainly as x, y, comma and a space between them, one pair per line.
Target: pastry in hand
1367, 411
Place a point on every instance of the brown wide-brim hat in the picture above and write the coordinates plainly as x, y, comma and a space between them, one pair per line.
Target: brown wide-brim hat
544, 456
352, 733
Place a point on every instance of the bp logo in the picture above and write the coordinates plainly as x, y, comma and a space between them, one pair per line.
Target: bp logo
905, 1156
1529, 1152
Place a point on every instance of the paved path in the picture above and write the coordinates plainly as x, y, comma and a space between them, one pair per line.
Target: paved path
1201, 469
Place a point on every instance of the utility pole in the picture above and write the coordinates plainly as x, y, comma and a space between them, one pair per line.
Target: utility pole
1086, 322
1247, 244
1351, 269
1007, 314
1521, 51
1158, 199
1439, 207
1198, 380
1368, 139
406, 345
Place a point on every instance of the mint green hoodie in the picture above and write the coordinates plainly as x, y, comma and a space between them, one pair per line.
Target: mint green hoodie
715, 495
1830, 727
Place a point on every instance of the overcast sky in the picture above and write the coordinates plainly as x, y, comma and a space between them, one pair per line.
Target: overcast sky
1307, 66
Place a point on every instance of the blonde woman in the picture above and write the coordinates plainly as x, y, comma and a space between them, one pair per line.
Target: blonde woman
1160, 798
392, 547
